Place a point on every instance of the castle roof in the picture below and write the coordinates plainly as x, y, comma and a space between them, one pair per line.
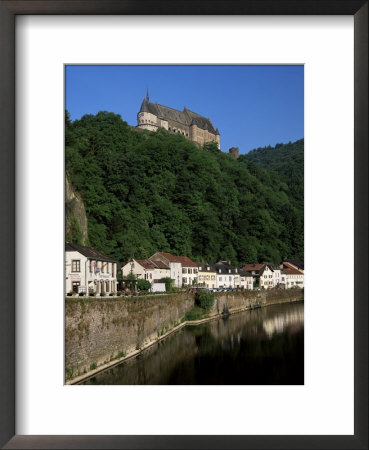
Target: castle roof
185, 117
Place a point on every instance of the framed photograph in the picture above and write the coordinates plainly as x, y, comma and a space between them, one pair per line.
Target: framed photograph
76, 55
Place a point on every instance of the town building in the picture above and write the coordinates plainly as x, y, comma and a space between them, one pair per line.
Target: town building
146, 269
267, 275
207, 276
189, 124
292, 277
89, 271
246, 280
227, 275
189, 271
296, 263
174, 264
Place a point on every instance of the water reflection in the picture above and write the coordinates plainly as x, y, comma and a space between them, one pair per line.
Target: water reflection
263, 346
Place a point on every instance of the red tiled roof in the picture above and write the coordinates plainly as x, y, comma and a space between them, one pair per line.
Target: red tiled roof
168, 256
145, 263
184, 260
250, 267
291, 271
159, 264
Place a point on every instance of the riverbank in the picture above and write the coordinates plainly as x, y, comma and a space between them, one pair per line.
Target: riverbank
100, 334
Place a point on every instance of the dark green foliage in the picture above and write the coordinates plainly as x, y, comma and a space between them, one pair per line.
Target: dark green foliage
143, 285
168, 283
286, 162
195, 313
204, 300
147, 192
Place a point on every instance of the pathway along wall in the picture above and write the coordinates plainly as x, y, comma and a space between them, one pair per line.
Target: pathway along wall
98, 331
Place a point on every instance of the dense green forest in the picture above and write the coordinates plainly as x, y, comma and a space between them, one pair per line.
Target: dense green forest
146, 192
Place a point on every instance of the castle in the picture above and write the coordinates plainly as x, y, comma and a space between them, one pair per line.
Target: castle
194, 127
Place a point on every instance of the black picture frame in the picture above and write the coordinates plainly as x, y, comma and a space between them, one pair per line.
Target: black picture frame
8, 12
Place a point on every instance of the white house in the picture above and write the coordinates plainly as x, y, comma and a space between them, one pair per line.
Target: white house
292, 277
269, 274
227, 275
140, 268
246, 280
207, 276
146, 269
189, 271
174, 264
87, 271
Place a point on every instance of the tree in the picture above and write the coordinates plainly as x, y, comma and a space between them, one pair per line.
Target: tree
143, 285
146, 192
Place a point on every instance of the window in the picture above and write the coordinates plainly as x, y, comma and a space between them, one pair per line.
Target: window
76, 265
194, 270
113, 270
189, 270
220, 278
184, 270
102, 267
185, 280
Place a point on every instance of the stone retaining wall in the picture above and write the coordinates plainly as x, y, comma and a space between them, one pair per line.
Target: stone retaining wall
98, 331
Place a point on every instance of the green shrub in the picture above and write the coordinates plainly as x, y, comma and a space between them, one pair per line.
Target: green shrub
204, 300
168, 283
195, 313
143, 285
93, 366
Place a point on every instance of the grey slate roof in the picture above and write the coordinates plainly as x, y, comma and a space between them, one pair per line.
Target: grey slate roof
244, 273
88, 252
185, 117
295, 262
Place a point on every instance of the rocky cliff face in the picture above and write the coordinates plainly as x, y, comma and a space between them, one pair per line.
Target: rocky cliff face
75, 215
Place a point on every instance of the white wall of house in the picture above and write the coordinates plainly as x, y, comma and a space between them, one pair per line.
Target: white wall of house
189, 275
277, 278
226, 279
161, 273
176, 273
207, 278
247, 283
137, 270
85, 275
294, 280
267, 279
158, 287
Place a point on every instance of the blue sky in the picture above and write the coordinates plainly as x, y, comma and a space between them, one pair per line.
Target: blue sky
252, 106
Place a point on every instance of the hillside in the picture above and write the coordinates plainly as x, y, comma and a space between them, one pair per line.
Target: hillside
146, 192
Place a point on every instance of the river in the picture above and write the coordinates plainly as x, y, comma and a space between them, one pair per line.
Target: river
260, 347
